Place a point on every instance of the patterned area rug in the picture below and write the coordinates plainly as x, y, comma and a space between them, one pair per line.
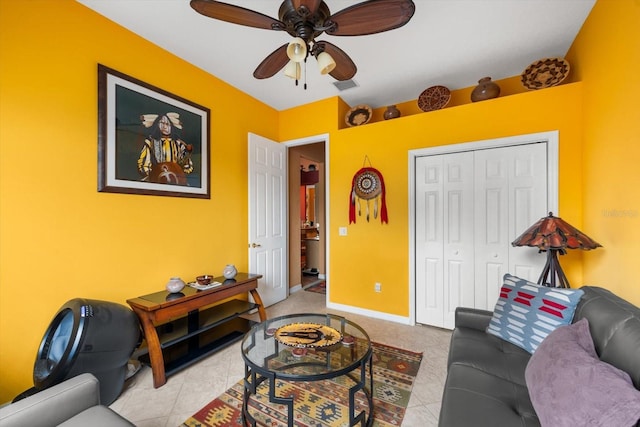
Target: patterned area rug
323, 403
319, 288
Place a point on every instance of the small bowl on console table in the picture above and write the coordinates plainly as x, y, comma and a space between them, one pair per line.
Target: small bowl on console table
204, 280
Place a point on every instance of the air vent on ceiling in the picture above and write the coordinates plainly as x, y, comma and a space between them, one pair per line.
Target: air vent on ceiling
345, 84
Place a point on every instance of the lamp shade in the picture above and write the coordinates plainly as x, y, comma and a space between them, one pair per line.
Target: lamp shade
292, 69
552, 232
297, 50
325, 63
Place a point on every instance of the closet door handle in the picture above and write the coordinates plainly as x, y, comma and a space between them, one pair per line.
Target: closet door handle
256, 245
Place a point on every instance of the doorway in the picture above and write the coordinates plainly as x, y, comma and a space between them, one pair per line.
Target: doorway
307, 213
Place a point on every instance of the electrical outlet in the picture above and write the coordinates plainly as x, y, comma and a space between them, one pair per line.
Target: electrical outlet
342, 231
377, 287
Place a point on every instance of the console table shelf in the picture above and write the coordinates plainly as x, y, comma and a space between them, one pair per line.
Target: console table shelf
181, 329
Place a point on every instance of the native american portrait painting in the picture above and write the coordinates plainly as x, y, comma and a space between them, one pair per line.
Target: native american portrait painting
150, 141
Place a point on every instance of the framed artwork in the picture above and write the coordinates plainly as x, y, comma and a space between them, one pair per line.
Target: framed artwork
149, 140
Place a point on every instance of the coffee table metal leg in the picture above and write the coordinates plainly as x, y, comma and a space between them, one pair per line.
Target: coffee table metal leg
361, 384
250, 387
281, 400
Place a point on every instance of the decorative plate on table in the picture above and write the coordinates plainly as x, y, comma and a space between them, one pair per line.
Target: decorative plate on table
358, 115
434, 98
307, 335
200, 287
545, 73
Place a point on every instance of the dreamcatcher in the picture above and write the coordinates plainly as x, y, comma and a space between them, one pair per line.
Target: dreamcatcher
367, 187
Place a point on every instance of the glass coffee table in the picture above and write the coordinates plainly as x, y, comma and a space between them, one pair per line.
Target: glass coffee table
307, 347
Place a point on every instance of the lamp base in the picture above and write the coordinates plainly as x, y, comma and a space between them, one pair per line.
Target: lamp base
552, 268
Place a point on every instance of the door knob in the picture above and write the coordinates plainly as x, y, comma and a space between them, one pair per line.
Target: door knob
256, 245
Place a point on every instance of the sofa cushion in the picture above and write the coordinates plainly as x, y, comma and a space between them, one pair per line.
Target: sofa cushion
526, 312
569, 385
476, 398
489, 354
97, 416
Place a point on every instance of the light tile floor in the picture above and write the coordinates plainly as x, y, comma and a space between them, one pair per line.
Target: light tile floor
191, 389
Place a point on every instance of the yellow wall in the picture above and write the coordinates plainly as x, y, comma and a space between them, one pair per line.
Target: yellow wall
374, 252
606, 58
60, 238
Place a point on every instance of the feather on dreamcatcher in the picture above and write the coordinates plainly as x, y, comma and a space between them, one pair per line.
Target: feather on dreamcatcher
367, 188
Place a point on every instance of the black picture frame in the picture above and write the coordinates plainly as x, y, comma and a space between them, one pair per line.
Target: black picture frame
134, 157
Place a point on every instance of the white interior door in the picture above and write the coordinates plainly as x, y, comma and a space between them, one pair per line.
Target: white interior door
268, 217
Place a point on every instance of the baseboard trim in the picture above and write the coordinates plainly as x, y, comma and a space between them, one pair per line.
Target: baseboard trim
294, 289
370, 313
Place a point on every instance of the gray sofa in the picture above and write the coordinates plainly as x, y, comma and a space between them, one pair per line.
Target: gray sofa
74, 402
485, 383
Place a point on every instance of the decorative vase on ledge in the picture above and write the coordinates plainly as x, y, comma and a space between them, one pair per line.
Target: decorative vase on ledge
391, 112
229, 271
486, 89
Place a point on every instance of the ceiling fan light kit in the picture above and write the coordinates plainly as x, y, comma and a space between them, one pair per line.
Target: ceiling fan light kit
305, 21
326, 63
292, 70
297, 50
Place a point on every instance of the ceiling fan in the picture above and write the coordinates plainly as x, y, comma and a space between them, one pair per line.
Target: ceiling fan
305, 20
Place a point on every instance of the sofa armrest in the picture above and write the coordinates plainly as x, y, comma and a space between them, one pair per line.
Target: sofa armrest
473, 318
53, 405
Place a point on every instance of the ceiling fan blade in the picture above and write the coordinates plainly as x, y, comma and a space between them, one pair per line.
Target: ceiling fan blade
370, 17
345, 67
235, 14
272, 63
309, 7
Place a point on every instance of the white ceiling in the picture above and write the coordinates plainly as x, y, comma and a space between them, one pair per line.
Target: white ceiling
452, 43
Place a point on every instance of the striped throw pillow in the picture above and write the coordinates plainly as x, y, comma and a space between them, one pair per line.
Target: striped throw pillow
526, 312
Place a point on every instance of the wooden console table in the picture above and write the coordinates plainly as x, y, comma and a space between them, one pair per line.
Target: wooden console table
180, 329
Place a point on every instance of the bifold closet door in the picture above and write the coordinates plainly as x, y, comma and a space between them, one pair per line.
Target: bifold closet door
511, 194
470, 206
444, 237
